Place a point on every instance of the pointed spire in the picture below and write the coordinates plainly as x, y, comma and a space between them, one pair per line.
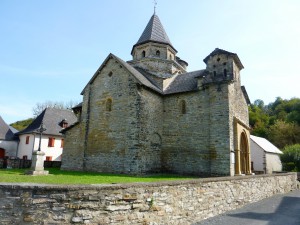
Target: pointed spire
155, 32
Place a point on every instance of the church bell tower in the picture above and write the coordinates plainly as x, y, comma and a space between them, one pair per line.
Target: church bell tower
155, 53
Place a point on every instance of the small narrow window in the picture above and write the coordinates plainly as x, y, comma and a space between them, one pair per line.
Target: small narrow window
171, 57
225, 73
48, 158
108, 105
51, 142
143, 54
62, 143
27, 140
110, 74
158, 53
182, 106
24, 157
215, 73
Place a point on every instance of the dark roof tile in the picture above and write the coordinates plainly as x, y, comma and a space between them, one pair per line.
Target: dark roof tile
51, 118
154, 32
183, 82
6, 132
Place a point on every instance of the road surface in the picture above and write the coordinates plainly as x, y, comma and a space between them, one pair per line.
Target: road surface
283, 209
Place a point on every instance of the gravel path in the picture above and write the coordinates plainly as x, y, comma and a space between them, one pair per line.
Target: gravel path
283, 209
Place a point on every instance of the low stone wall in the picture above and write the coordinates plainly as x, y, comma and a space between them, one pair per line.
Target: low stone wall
24, 163
15, 163
178, 202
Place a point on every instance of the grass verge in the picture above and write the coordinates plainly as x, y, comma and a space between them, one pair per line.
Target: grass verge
56, 176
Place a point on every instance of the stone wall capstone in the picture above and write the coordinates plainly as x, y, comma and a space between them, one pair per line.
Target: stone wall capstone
177, 202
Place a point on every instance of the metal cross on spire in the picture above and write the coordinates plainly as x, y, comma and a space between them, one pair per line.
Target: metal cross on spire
155, 3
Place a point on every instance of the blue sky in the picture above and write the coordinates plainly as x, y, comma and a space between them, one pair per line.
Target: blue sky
50, 49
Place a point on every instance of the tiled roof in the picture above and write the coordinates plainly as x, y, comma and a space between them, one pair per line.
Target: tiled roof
265, 144
144, 81
183, 82
51, 118
155, 32
140, 77
6, 132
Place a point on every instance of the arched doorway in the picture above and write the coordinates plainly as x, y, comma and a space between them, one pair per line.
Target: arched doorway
2, 153
244, 154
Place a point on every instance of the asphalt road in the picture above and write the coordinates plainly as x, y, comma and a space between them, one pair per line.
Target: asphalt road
283, 209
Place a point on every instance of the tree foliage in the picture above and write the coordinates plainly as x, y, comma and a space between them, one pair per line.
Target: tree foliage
291, 158
278, 121
22, 124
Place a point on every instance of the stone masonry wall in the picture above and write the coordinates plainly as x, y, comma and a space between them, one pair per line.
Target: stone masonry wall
112, 139
150, 134
178, 202
73, 149
185, 146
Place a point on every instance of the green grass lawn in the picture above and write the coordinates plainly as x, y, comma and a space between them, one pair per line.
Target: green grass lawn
57, 176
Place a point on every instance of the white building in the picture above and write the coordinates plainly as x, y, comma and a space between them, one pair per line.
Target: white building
264, 155
8, 140
54, 120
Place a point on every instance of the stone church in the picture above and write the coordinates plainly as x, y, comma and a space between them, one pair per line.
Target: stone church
149, 115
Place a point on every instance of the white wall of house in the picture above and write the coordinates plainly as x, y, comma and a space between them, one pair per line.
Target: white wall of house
33, 145
273, 163
26, 149
10, 147
257, 157
54, 152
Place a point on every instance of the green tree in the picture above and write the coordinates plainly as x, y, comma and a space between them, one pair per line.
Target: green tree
283, 133
258, 118
291, 158
22, 124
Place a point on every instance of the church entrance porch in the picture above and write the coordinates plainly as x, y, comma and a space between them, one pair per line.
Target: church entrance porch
242, 149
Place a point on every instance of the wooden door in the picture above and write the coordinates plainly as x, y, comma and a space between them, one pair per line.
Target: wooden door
2, 153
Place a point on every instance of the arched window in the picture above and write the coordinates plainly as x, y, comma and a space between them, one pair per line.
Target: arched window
143, 54
182, 107
158, 53
108, 105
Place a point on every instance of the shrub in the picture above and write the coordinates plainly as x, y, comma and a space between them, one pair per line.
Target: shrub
291, 158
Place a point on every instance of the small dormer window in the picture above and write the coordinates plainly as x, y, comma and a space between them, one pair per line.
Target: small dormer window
158, 53
63, 123
143, 54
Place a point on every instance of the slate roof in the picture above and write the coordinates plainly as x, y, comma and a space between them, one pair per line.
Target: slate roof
51, 118
142, 79
6, 132
183, 82
221, 51
265, 144
154, 32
